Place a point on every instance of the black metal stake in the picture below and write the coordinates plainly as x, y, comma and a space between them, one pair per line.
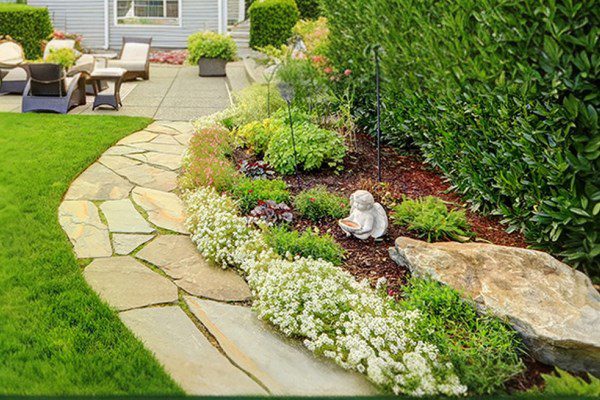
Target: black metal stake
377, 79
293, 143
269, 99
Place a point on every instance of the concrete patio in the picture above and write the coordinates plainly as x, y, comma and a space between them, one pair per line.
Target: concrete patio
174, 93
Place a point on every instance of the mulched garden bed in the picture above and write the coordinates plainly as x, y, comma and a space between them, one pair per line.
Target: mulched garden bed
402, 175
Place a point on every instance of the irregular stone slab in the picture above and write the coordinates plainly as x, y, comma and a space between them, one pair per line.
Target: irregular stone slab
162, 148
121, 150
124, 243
98, 183
181, 126
179, 258
117, 162
124, 283
186, 354
150, 177
184, 138
283, 365
138, 137
164, 209
81, 222
554, 307
165, 139
170, 161
158, 127
122, 217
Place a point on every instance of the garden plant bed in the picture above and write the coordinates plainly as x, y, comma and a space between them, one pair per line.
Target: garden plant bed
402, 175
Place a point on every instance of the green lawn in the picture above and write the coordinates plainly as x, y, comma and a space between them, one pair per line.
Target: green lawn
56, 336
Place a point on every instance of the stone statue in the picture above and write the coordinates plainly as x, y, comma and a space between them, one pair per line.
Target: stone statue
367, 218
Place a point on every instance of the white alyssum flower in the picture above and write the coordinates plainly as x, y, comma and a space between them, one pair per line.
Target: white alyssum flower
337, 316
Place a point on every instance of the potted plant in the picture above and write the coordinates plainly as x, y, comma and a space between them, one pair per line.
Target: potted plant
211, 51
64, 57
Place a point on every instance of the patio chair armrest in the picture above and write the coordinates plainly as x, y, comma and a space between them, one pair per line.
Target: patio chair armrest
74, 83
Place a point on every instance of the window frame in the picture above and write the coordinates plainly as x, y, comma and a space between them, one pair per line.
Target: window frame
179, 19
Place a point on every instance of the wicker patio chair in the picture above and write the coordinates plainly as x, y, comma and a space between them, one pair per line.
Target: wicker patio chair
134, 57
49, 89
13, 77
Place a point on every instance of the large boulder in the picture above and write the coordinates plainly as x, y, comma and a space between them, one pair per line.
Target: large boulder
554, 307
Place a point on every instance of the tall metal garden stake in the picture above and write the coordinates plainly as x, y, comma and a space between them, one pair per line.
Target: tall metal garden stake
269, 74
377, 79
287, 93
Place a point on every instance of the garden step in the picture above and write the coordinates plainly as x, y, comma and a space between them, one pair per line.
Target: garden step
177, 256
124, 283
283, 365
186, 353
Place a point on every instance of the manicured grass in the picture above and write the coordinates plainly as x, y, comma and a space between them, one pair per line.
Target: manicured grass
56, 336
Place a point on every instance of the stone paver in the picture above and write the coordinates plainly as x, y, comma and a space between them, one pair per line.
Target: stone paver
158, 127
125, 243
124, 283
122, 150
115, 163
122, 217
161, 148
165, 139
138, 137
99, 183
170, 161
81, 222
164, 209
177, 256
284, 366
187, 355
149, 177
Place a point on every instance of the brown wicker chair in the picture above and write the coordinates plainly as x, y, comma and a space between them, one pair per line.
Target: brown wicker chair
134, 57
50, 90
13, 76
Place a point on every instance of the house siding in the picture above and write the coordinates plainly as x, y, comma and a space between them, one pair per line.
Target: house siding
86, 17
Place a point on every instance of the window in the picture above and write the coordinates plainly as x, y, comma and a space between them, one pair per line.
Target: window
147, 12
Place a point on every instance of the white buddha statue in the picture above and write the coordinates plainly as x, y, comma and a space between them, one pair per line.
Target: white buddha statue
367, 218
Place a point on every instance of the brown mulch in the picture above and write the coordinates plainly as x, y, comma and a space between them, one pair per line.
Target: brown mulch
401, 175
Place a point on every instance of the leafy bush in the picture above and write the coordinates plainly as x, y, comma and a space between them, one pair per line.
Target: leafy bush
250, 191
251, 104
430, 218
28, 25
314, 34
211, 45
309, 9
501, 96
271, 22
65, 57
484, 351
207, 161
272, 212
257, 135
315, 147
565, 384
306, 244
318, 203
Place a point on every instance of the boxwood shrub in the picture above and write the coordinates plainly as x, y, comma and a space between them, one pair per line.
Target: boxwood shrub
309, 9
271, 22
27, 25
501, 96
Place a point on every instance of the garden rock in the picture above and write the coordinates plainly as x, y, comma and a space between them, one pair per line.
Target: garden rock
554, 307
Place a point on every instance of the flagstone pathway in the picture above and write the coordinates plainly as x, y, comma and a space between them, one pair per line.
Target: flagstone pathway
123, 214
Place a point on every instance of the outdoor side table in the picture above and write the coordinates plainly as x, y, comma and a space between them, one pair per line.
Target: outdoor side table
100, 61
109, 97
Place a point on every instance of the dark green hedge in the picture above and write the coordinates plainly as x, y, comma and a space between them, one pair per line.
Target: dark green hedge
309, 9
27, 25
501, 95
271, 22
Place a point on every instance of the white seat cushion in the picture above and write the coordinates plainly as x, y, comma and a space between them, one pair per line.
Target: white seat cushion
128, 65
135, 52
11, 53
56, 44
109, 72
16, 74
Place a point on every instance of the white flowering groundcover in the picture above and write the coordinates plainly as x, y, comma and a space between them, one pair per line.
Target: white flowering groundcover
336, 316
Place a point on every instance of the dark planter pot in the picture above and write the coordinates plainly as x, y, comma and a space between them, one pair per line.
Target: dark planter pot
212, 66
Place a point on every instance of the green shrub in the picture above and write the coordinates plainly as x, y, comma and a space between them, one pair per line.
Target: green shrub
251, 104
29, 26
314, 34
305, 244
309, 9
565, 384
65, 57
256, 135
483, 350
429, 218
211, 45
271, 22
249, 192
501, 96
315, 147
318, 203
